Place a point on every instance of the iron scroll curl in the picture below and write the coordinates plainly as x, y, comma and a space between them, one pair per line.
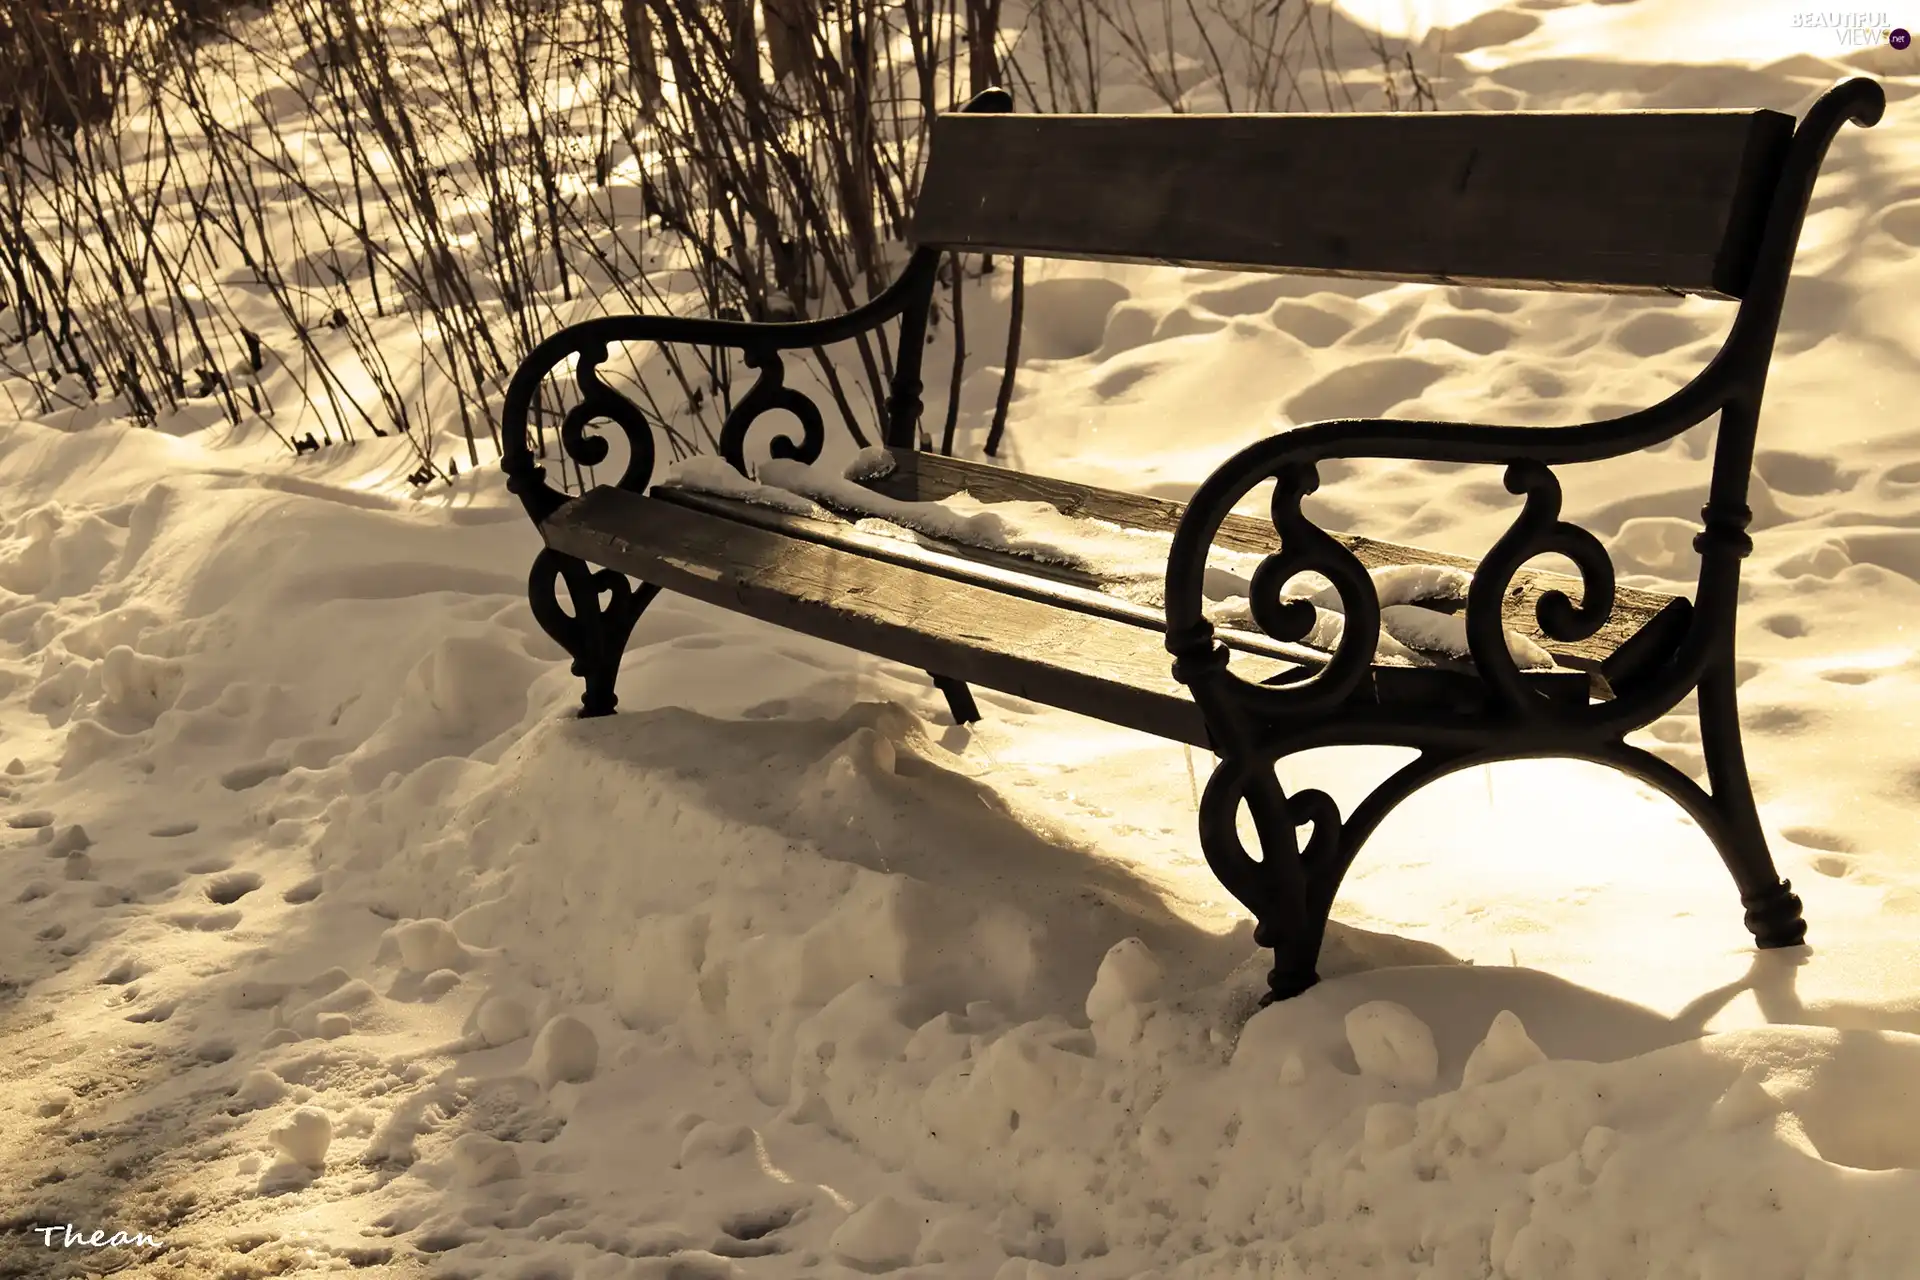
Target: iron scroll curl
768, 394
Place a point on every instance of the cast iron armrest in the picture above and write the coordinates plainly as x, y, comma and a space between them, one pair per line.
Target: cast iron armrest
761, 343
1291, 459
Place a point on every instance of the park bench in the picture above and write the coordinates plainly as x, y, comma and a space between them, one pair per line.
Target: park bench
1708, 203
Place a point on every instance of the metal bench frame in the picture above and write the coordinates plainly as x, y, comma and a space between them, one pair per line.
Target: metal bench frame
1290, 888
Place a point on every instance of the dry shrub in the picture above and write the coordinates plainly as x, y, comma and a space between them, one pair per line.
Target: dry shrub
421, 191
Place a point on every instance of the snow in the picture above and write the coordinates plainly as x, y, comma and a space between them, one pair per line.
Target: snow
1390, 1043
1507, 1050
565, 1051
705, 473
304, 1136
881, 1235
333, 941
1130, 563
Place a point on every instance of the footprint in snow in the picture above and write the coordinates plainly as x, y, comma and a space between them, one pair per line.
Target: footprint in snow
1902, 223
1478, 334
123, 972
1654, 333
1067, 318
227, 889
1803, 475
1469, 298
1364, 389
1315, 326
1820, 838
248, 776
1788, 626
755, 1234
205, 921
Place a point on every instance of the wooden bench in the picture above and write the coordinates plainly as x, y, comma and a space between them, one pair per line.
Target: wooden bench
1699, 202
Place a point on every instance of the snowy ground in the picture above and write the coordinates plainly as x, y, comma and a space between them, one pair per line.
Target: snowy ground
331, 940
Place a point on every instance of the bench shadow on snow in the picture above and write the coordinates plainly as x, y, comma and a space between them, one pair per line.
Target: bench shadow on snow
820, 781
868, 787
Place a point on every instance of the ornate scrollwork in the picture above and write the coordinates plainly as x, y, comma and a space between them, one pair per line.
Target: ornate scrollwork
595, 633
1284, 889
601, 403
598, 403
906, 298
1537, 531
1304, 548
768, 393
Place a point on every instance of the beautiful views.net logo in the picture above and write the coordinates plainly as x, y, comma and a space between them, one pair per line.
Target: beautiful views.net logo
1859, 30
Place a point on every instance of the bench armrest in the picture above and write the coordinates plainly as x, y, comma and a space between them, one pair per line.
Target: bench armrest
1291, 458
587, 345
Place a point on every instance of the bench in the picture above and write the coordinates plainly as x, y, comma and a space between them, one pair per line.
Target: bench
1708, 203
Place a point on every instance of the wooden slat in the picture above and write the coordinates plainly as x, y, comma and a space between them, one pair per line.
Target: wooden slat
921, 477
1116, 671
1095, 666
1632, 201
1398, 678
1057, 585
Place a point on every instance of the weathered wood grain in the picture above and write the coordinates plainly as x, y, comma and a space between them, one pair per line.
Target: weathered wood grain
1059, 586
930, 477
1113, 669
1096, 666
1635, 201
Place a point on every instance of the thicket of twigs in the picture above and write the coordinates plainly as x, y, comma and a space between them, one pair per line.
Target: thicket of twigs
346, 218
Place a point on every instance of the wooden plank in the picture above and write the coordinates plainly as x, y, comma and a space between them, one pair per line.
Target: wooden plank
1057, 585
1631, 201
929, 477
1095, 666
1066, 588
1113, 670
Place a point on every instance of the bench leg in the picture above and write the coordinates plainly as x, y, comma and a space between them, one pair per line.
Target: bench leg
595, 633
1773, 909
959, 698
1290, 889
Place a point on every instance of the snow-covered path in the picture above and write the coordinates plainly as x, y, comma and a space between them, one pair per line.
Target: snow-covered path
331, 940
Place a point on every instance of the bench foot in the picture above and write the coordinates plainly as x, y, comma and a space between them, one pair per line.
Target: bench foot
1773, 910
604, 607
1294, 969
1290, 888
1774, 917
959, 698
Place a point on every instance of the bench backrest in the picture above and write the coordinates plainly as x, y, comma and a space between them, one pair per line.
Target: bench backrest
1629, 201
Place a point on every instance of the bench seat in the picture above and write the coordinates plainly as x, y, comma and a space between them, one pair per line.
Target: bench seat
1008, 623
1638, 635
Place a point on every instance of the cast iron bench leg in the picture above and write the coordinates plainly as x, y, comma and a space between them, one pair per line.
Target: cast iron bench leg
594, 633
1286, 889
1773, 909
959, 698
